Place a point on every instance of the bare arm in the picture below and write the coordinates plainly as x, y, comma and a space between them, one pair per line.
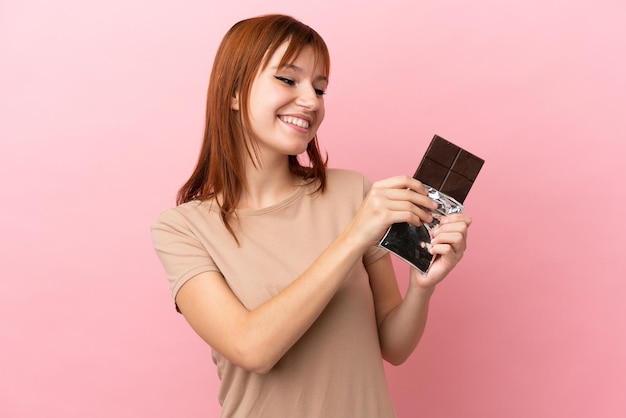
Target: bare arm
401, 323
257, 339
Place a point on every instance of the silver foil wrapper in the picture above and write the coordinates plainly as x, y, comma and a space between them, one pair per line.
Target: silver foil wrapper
413, 243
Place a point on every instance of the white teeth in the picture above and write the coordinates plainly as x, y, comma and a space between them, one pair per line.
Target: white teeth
295, 121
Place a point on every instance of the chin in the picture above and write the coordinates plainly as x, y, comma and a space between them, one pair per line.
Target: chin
297, 149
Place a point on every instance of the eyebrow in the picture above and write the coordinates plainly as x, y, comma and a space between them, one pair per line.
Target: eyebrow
298, 70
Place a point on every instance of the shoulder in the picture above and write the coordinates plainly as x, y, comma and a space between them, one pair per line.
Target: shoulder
182, 217
343, 176
344, 180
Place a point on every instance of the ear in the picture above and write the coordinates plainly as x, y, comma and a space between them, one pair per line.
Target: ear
234, 102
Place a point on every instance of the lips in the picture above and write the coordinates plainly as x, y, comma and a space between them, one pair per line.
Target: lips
294, 120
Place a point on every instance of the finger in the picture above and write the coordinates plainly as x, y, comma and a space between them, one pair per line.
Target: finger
402, 182
457, 217
442, 249
411, 196
403, 211
459, 227
456, 240
447, 227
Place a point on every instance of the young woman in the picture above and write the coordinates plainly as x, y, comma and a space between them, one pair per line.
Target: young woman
273, 261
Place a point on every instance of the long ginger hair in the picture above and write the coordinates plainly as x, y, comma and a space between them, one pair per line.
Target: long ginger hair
245, 50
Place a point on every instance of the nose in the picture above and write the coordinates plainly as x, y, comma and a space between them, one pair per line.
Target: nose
308, 98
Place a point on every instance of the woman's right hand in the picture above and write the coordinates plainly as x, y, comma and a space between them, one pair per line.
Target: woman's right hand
393, 200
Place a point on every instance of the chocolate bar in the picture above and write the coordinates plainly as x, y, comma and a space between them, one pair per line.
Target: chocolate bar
448, 172
448, 168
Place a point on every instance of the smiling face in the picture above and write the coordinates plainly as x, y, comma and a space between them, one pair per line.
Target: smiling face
286, 103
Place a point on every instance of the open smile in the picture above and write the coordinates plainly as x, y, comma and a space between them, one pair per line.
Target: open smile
293, 120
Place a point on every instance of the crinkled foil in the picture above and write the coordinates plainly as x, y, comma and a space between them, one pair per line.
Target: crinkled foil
412, 243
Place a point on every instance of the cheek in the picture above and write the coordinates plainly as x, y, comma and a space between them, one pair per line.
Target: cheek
320, 114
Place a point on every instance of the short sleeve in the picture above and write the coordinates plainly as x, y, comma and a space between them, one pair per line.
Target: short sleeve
182, 254
373, 253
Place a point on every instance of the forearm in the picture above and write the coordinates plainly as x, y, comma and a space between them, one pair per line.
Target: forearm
402, 328
271, 329
256, 339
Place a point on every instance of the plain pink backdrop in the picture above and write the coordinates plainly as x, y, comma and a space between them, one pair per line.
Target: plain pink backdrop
101, 113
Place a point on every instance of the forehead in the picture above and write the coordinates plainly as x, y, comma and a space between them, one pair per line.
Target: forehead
287, 55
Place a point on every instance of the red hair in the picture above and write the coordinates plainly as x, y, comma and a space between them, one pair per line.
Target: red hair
245, 49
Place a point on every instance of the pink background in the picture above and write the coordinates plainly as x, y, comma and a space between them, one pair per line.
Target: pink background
100, 122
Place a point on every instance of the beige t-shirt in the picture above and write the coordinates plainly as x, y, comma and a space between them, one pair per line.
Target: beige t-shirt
335, 369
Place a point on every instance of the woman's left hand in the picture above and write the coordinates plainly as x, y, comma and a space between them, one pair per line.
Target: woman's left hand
448, 246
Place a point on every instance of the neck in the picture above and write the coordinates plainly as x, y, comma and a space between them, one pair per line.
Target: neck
267, 185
